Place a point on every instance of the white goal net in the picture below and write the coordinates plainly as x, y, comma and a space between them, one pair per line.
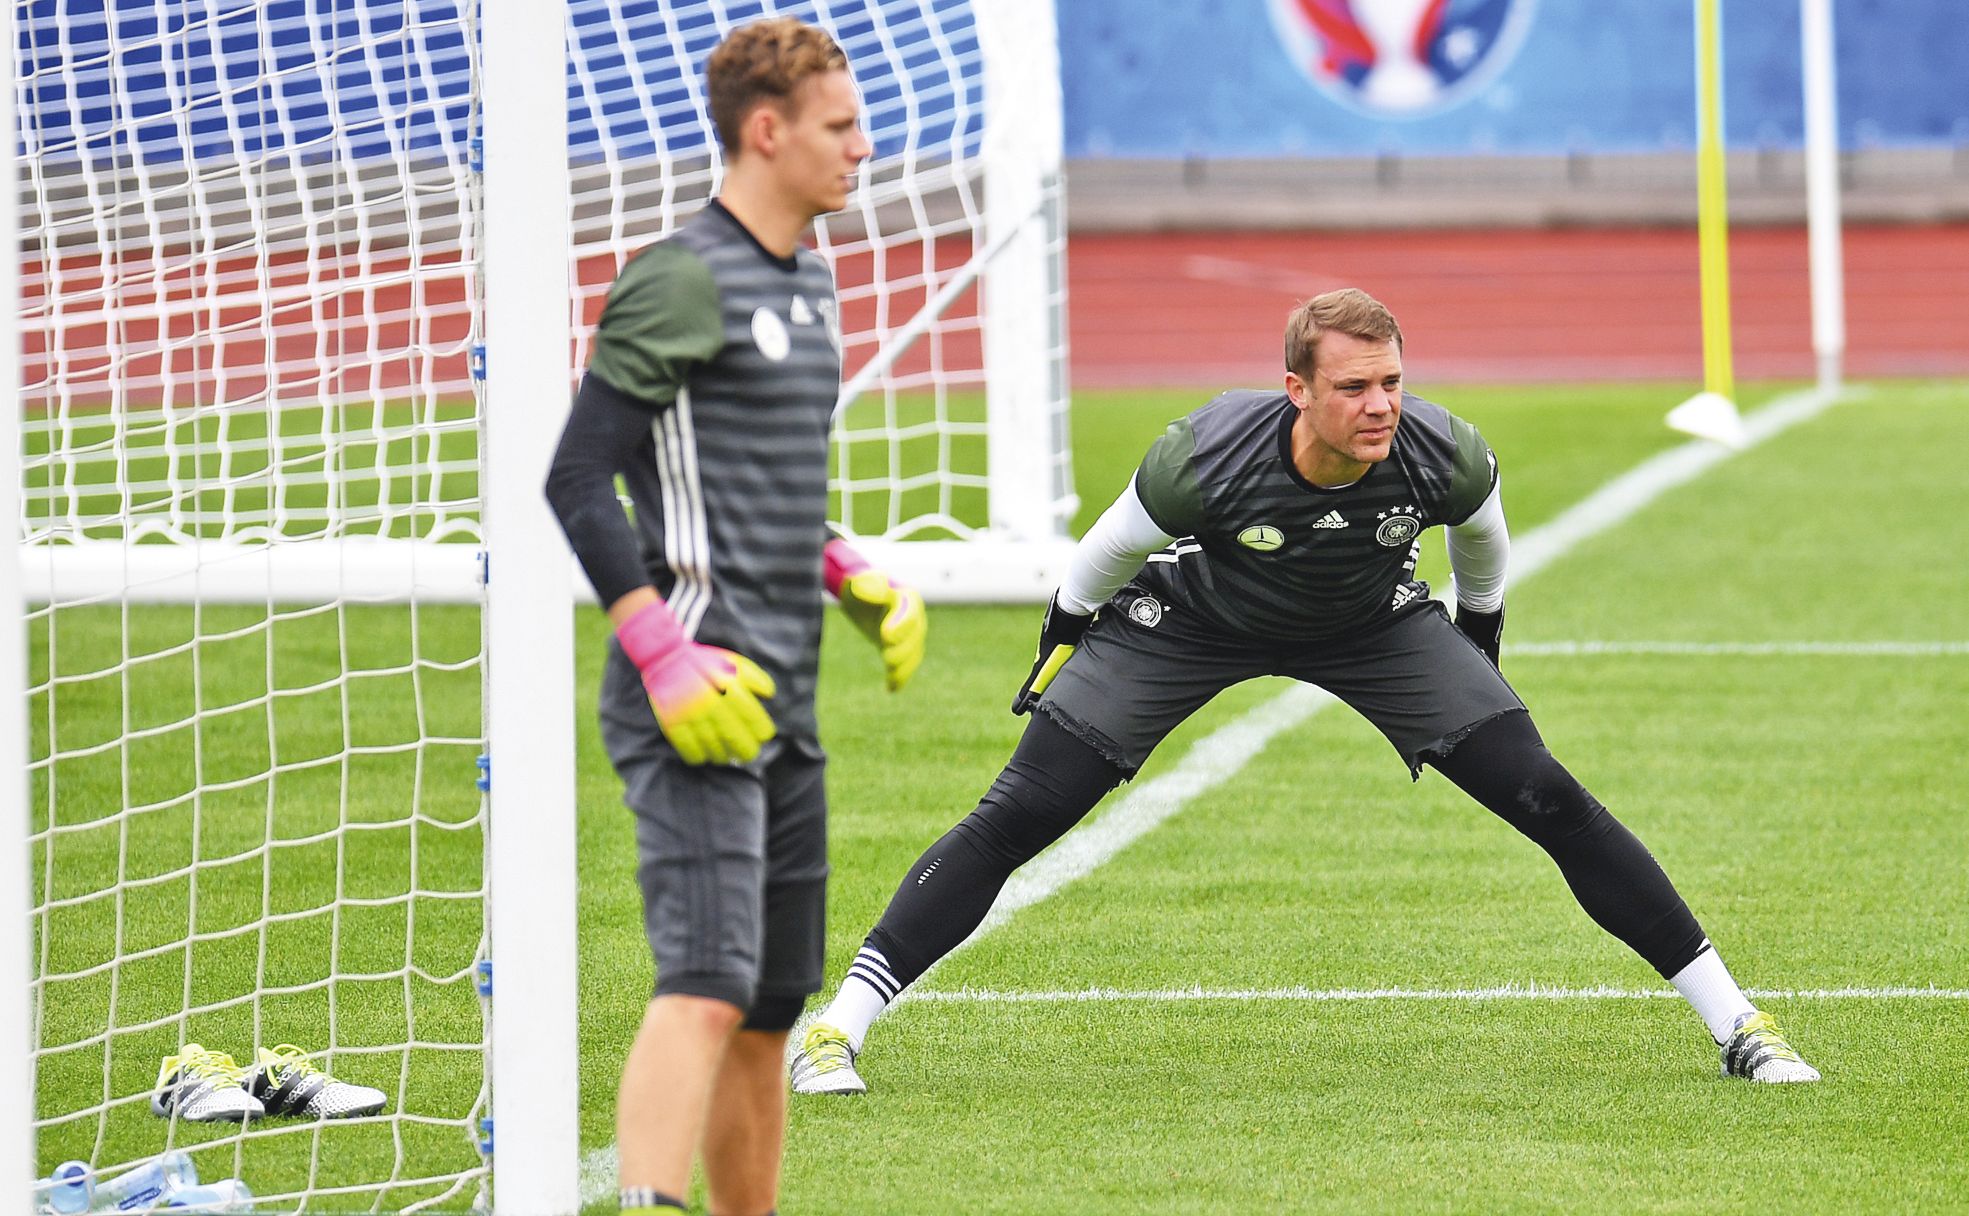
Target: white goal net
255, 507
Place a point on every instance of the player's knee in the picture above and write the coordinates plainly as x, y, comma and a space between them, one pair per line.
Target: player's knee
1551, 792
774, 1012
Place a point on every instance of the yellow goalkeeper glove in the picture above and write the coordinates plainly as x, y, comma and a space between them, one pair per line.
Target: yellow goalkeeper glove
888, 612
706, 698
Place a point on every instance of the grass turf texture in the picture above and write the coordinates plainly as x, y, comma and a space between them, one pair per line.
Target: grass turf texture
1804, 805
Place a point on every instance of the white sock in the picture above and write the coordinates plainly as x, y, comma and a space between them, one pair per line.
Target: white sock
864, 995
1706, 984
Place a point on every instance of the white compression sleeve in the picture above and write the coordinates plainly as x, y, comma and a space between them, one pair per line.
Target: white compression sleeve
1479, 552
1111, 553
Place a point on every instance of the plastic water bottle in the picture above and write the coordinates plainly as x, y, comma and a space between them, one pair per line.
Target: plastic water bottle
71, 1188
144, 1186
226, 1195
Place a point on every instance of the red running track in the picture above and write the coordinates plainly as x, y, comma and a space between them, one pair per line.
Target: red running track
1178, 309
1208, 309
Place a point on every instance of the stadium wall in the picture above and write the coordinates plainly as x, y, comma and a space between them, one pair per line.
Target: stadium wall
1262, 113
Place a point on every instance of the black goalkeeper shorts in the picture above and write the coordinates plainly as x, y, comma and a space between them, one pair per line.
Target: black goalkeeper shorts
1146, 665
732, 859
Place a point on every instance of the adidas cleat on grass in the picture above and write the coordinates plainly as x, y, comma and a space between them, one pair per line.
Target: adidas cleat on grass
203, 1086
825, 1063
1757, 1051
287, 1083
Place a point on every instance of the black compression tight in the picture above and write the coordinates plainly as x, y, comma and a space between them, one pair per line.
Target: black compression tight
1051, 782
1504, 764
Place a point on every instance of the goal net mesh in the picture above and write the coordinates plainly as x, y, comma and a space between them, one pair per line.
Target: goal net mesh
251, 415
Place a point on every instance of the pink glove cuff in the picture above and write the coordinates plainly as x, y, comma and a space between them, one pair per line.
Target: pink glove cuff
649, 635
839, 563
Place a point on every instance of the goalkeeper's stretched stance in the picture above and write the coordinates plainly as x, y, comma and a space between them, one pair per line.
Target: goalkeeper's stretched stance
1275, 534
714, 375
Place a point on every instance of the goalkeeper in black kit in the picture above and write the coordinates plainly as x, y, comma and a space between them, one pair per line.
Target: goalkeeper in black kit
1276, 533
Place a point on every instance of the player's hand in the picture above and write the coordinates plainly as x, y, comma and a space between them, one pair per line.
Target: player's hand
1486, 629
891, 615
706, 699
1059, 637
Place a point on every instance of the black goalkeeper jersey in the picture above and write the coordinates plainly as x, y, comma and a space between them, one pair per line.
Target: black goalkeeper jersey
735, 354
1264, 552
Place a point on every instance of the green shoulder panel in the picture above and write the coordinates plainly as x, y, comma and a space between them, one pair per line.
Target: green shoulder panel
662, 318
1473, 473
1166, 482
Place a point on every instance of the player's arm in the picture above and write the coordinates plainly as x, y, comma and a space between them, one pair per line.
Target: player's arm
1161, 502
1109, 555
1480, 544
655, 327
887, 610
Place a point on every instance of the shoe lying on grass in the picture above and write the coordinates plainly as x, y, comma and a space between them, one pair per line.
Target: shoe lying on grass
286, 1082
203, 1087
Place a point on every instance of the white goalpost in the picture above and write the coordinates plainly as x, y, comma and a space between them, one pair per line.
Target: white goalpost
302, 293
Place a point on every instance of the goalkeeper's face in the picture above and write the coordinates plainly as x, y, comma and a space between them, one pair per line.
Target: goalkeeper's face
820, 145
1351, 406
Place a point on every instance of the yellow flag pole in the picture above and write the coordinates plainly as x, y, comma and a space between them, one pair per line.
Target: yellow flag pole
1712, 414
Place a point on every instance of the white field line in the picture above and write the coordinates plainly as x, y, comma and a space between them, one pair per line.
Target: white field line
1503, 992
1219, 755
1754, 649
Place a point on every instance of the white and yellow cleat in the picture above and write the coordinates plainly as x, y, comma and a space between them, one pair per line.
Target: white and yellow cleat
287, 1082
1757, 1051
825, 1063
202, 1086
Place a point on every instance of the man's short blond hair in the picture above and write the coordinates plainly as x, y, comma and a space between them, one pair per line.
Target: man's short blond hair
1348, 311
763, 64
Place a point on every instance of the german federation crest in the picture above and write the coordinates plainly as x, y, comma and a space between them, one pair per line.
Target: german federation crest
1401, 58
1397, 527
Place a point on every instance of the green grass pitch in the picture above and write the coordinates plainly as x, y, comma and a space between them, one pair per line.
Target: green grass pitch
1808, 806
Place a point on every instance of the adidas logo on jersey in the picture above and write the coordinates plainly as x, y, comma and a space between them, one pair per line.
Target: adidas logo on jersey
800, 312
1330, 520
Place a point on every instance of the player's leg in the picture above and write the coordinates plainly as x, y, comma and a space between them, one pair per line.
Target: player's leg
1127, 686
700, 841
664, 1095
745, 1129
747, 1124
1052, 780
1440, 702
1505, 765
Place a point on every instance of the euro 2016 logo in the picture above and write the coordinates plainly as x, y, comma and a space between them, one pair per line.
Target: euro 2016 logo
1401, 58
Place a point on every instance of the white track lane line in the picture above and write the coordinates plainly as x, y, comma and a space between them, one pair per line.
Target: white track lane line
1219, 755
1503, 992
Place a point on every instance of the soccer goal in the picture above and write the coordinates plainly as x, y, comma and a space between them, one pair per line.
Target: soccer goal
301, 293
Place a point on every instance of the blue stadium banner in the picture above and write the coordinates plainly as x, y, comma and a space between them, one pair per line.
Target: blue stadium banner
1366, 77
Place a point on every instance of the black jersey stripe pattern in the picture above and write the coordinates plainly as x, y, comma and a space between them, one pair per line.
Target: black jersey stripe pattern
1271, 555
730, 492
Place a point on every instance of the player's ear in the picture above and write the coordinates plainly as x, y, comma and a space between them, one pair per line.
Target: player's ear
1296, 389
760, 130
